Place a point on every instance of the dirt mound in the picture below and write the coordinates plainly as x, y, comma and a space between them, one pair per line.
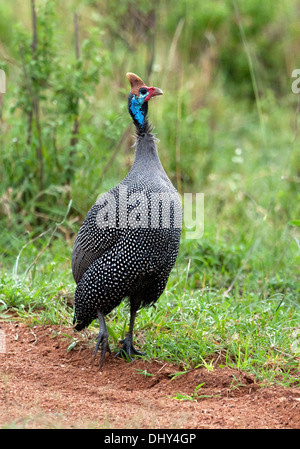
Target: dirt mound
42, 384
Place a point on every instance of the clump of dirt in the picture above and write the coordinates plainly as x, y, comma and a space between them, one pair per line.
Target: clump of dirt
42, 384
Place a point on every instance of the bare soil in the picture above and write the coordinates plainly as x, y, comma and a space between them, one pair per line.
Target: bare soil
43, 385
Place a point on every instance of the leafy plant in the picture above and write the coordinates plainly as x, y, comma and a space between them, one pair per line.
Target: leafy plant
186, 397
50, 93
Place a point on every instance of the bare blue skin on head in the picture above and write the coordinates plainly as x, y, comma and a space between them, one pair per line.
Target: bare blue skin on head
135, 107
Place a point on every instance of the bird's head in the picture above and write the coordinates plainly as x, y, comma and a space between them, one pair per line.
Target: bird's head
138, 99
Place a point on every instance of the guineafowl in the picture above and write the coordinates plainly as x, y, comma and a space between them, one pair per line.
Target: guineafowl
128, 243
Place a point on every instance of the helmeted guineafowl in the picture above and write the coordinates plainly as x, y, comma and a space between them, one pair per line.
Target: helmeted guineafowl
129, 241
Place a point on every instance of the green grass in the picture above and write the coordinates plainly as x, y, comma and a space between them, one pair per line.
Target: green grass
250, 328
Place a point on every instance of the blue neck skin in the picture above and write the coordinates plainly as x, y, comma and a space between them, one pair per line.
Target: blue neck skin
138, 109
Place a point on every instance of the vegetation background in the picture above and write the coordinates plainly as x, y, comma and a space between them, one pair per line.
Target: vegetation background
228, 127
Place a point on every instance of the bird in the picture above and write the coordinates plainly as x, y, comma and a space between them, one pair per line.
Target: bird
129, 241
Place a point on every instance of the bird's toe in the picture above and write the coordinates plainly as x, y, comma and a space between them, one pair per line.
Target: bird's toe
128, 350
103, 341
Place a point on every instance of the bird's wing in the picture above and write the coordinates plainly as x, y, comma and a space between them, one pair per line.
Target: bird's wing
97, 234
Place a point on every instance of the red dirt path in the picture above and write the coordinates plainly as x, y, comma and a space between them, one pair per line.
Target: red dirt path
42, 385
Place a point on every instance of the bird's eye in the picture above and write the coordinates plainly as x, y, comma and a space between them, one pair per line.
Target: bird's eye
143, 91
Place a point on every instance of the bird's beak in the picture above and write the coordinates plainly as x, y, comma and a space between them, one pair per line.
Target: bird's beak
156, 91
153, 91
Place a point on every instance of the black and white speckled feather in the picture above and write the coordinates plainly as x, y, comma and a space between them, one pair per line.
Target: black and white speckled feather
118, 252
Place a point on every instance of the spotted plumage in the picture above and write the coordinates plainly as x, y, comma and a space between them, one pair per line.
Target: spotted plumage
129, 241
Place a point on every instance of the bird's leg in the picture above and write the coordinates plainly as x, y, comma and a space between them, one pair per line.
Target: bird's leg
102, 338
128, 349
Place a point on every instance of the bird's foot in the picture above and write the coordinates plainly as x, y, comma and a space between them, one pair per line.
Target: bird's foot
103, 340
128, 349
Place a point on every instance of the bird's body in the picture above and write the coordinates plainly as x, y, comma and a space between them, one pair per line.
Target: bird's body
128, 242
